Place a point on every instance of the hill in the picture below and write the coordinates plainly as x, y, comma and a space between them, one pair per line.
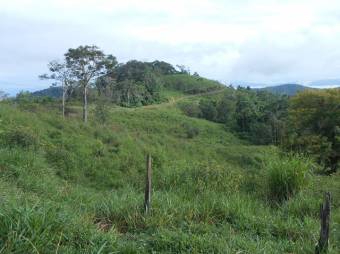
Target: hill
53, 92
73, 188
177, 83
287, 89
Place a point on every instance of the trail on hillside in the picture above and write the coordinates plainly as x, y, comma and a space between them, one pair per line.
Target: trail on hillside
174, 100
170, 102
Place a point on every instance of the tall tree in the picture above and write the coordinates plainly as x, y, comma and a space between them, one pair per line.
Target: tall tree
314, 118
86, 64
62, 76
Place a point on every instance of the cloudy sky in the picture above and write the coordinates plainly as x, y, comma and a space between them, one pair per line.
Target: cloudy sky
261, 41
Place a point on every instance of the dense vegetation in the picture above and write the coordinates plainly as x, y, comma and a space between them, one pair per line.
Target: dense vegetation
73, 188
307, 123
234, 170
255, 115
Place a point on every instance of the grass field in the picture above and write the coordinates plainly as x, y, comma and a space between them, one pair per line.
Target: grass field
73, 188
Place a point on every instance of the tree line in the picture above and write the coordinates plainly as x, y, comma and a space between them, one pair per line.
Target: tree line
308, 122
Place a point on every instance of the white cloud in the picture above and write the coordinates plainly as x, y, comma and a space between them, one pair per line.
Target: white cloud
260, 40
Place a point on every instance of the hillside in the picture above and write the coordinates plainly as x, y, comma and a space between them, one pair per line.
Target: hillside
170, 83
287, 89
73, 188
53, 92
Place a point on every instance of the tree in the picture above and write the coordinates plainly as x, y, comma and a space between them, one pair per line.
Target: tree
163, 67
132, 70
314, 121
208, 109
62, 76
87, 63
129, 93
183, 69
105, 86
246, 111
226, 107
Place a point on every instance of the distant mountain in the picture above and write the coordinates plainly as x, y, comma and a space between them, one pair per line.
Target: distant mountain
54, 92
288, 89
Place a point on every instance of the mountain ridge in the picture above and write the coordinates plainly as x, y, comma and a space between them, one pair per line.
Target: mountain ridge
289, 89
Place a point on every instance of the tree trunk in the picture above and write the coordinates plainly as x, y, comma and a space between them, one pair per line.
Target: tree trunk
128, 98
63, 100
85, 105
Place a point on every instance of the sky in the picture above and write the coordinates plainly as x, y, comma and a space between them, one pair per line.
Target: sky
259, 41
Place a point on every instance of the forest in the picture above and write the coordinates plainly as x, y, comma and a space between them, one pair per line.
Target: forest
234, 169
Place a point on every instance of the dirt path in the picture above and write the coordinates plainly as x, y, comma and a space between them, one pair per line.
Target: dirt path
173, 100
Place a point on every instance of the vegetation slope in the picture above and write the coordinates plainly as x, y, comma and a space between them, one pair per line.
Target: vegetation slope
67, 187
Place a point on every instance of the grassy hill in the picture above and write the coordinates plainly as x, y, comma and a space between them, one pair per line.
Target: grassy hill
67, 187
287, 89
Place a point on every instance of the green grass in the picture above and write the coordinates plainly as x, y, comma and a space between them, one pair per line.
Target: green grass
190, 84
70, 188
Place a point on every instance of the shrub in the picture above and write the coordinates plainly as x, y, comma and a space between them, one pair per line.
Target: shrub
190, 109
190, 131
286, 176
208, 109
101, 111
20, 136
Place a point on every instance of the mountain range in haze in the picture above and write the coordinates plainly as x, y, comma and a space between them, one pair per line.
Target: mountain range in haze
287, 89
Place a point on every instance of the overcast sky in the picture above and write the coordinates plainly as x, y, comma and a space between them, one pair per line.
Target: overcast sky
260, 41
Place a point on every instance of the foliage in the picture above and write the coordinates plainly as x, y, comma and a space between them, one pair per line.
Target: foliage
286, 176
134, 83
74, 188
26, 101
257, 116
191, 131
20, 136
81, 189
84, 64
190, 109
314, 120
208, 109
101, 110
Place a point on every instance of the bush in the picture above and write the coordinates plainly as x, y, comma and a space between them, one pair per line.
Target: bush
190, 131
208, 109
286, 176
20, 137
101, 111
190, 109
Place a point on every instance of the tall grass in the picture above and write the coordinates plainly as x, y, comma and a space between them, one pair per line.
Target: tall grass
287, 175
80, 188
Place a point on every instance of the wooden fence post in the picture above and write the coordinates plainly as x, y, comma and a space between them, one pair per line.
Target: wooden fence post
325, 211
148, 188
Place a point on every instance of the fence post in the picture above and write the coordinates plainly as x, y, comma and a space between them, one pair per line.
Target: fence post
147, 199
325, 211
